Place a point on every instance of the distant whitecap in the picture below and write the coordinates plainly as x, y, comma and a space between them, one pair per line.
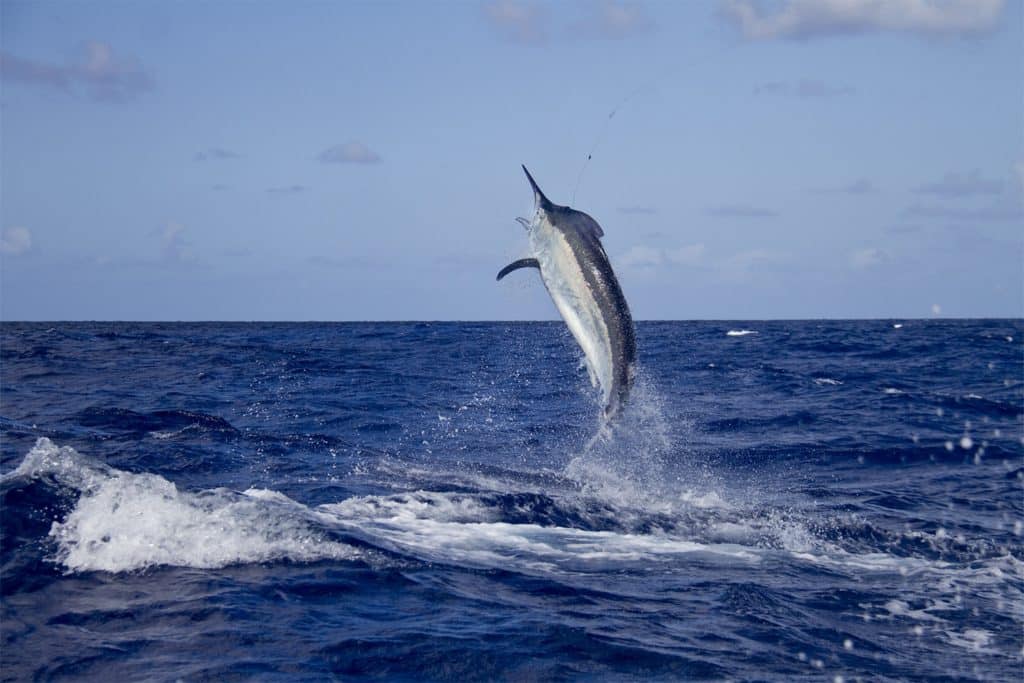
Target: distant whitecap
740, 333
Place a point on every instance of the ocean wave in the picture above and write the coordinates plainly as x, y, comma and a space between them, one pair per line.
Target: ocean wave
125, 522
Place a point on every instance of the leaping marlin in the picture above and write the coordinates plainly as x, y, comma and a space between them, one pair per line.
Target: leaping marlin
566, 248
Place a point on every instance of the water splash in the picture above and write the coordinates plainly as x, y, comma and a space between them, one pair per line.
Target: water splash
123, 521
641, 460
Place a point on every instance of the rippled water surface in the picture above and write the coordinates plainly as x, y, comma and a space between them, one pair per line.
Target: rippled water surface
435, 501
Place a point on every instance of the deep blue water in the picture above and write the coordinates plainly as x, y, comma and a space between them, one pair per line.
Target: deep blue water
429, 501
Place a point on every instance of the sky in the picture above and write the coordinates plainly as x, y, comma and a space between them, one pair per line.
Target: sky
361, 161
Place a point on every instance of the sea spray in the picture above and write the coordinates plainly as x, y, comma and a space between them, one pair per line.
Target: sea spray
642, 459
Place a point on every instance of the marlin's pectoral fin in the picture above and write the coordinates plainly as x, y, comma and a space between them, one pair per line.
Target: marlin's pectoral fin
516, 265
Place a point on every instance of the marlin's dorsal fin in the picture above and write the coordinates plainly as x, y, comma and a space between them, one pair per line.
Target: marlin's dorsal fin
516, 265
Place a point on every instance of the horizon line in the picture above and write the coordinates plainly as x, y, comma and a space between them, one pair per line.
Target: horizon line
508, 321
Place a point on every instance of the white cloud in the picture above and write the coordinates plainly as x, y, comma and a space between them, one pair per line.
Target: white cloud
216, 153
859, 186
173, 248
817, 18
519, 22
15, 241
641, 256
869, 257
689, 255
961, 185
286, 189
806, 88
102, 73
615, 20
349, 153
991, 214
741, 211
739, 266
735, 268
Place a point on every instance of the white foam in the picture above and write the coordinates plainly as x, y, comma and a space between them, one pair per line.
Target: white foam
972, 639
826, 380
124, 522
891, 391
899, 608
708, 500
442, 527
739, 333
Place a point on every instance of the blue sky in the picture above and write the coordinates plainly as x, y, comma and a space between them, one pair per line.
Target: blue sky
360, 161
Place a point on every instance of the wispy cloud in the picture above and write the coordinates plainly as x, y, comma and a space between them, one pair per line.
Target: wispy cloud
15, 241
338, 263
741, 211
638, 210
518, 21
287, 189
903, 229
807, 19
349, 153
97, 71
869, 257
641, 256
806, 88
614, 20
741, 266
956, 185
991, 214
737, 267
216, 154
859, 186
173, 247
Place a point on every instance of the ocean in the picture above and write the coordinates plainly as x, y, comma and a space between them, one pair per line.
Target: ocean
784, 500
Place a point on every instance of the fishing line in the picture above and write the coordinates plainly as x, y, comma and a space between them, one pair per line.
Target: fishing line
615, 110
601, 134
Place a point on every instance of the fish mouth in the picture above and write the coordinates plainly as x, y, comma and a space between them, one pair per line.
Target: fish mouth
540, 202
